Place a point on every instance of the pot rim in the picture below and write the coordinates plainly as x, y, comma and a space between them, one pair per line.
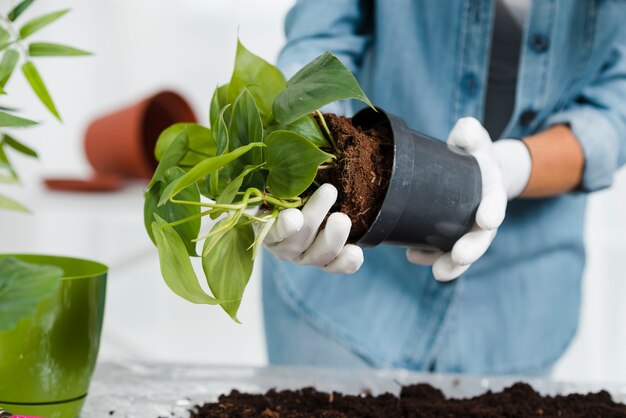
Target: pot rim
98, 269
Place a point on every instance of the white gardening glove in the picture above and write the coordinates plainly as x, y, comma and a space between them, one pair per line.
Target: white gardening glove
505, 168
295, 235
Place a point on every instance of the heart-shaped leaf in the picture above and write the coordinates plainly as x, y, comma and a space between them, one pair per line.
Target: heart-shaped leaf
292, 162
171, 212
228, 265
200, 143
203, 169
257, 75
307, 127
176, 266
322, 81
218, 102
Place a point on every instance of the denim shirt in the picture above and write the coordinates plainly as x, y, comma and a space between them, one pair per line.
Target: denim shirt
517, 308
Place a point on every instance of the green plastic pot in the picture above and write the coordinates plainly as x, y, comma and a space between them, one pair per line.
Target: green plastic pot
47, 360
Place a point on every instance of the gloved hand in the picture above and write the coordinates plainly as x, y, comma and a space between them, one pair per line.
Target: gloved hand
295, 235
505, 167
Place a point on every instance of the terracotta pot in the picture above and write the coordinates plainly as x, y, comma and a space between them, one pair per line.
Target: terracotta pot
122, 143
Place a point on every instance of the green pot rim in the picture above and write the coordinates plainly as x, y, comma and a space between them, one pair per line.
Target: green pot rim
97, 269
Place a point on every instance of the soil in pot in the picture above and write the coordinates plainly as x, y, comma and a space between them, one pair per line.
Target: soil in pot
421, 400
361, 174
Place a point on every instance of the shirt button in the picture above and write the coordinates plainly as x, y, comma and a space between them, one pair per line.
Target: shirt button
539, 43
527, 116
469, 83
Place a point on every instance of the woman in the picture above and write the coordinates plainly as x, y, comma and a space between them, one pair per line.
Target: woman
548, 75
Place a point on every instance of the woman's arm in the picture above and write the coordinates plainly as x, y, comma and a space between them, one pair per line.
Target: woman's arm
557, 162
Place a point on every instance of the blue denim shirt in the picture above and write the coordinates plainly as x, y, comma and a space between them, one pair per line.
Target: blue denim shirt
516, 309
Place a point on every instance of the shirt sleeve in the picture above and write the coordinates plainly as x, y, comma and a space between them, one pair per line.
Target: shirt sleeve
598, 119
313, 27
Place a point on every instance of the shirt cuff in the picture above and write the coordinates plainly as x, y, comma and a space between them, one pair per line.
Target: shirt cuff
600, 143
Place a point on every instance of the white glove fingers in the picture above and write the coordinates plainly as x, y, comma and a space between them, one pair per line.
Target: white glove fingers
446, 270
288, 222
348, 261
469, 135
422, 257
329, 242
471, 246
492, 208
313, 213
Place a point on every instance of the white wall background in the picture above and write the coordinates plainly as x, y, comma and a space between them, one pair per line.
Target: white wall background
142, 46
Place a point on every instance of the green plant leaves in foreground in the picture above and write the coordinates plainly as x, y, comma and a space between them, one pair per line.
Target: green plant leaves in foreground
22, 286
228, 265
11, 121
46, 49
324, 80
171, 212
292, 162
40, 22
201, 170
198, 146
19, 9
308, 128
7, 65
7, 203
38, 86
257, 75
18, 146
176, 266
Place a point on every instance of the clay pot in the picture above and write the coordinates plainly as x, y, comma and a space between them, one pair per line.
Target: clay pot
122, 143
433, 194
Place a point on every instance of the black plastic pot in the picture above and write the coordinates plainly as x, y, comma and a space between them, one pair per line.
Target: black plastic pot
433, 192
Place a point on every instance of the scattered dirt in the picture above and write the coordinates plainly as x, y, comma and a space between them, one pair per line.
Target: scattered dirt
362, 173
421, 400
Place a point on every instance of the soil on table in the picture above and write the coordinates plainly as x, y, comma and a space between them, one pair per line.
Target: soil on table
362, 173
420, 400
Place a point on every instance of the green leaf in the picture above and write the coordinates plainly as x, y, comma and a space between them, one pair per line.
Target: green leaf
176, 266
22, 287
9, 204
292, 162
218, 102
4, 36
19, 147
257, 75
228, 265
203, 169
322, 81
308, 128
7, 65
11, 121
172, 212
199, 139
230, 191
5, 165
19, 9
38, 86
174, 152
221, 134
46, 49
246, 127
40, 22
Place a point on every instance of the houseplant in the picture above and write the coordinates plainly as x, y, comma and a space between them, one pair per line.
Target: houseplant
269, 147
51, 308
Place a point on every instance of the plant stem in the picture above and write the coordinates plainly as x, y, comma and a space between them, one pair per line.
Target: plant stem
282, 203
191, 218
234, 206
328, 134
